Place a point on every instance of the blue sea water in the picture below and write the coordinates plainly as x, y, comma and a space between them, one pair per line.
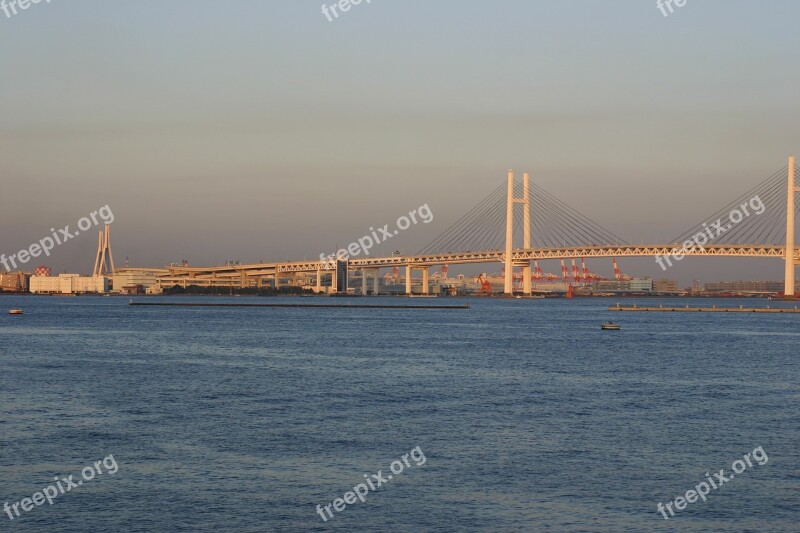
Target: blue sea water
529, 417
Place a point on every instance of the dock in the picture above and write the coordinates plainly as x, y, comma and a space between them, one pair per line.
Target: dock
713, 309
306, 306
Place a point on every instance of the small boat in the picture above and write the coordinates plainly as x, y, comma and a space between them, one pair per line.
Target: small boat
610, 327
15, 312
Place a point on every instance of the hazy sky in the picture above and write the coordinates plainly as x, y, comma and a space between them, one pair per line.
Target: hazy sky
258, 130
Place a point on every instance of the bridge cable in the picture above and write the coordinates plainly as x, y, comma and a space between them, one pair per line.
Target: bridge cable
768, 183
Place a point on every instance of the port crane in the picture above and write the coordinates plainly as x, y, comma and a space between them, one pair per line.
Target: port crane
485, 286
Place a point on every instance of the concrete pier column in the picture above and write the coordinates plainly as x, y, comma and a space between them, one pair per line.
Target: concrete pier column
425, 284
318, 287
376, 281
408, 279
364, 275
526, 280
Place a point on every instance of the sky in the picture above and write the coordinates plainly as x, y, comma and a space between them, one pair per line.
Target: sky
259, 130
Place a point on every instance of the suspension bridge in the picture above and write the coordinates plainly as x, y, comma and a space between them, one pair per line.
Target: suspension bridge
759, 224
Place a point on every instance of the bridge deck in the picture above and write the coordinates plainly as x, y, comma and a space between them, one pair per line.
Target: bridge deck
490, 256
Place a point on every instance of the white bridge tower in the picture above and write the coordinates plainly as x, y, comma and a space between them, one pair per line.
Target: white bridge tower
103, 266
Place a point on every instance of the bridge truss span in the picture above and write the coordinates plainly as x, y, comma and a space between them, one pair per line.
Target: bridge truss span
738, 250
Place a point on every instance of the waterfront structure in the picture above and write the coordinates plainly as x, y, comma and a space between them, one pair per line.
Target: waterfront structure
14, 282
746, 286
624, 285
68, 284
49, 284
131, 281
665, 285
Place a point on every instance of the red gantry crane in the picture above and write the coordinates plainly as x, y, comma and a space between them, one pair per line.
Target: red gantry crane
618, 275
485, 287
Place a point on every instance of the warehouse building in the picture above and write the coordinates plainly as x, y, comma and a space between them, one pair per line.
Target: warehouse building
68, 284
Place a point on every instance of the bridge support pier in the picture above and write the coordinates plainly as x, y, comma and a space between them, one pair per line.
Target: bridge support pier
318, 286
409, 272
365, 275
790, 242
527, 289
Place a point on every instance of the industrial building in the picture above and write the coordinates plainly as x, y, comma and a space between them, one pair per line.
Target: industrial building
624, 285
14, 282
68, 284
746, 286
133, 282
665, 286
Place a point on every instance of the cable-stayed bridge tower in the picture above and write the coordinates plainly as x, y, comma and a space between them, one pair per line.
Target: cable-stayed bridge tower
791, 264
104, 260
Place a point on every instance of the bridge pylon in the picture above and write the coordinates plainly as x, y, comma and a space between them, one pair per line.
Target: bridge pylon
526, 232
790, 240
104, 259
508, 287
